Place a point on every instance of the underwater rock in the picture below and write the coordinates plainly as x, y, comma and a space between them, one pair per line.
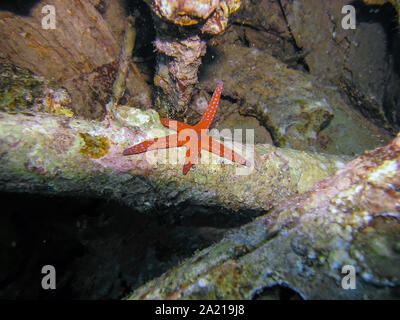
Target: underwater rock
263, 15
71, 156
362, 61
212, 14
181, 50
177, 70
236, 121
298, 111
23, 92
338, 241
81, 53
284, 100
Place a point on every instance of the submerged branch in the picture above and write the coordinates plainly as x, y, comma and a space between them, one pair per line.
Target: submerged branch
58, 155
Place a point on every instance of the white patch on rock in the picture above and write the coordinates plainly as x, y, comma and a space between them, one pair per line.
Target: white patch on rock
202, 283
323, 166
387, 168
340, 164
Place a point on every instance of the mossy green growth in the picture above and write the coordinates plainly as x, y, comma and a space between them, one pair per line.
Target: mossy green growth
94, 146
397, 5
64, 111
23, 92
18, 88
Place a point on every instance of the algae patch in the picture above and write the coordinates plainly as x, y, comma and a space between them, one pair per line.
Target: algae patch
23, 92
94, 146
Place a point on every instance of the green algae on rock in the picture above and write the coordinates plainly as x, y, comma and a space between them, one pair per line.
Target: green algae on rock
18, 88
94, 146
22, 91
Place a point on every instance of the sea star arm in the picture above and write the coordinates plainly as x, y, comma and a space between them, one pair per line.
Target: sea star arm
191, 137
156, 143
192, 155
208, 116
224, 152
175, 125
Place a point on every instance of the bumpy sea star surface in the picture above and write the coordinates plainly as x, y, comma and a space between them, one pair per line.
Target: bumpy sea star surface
194, 138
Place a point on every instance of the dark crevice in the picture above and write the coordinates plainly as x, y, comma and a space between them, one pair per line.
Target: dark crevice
230, 99
386, 16
247, 25
363, 105
145, 34
254, 28
295, 58
278, 292
19, 7
246, 41
100, 249
301, 58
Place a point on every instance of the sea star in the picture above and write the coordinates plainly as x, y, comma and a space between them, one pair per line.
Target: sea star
194, 138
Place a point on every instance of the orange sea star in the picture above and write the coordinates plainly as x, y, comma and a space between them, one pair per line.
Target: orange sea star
194, 138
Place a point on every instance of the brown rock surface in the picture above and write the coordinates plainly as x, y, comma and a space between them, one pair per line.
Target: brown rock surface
82, 53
